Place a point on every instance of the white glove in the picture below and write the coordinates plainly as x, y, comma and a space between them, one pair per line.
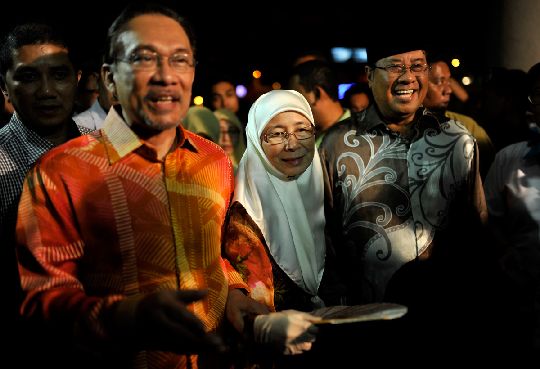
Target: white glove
290, 331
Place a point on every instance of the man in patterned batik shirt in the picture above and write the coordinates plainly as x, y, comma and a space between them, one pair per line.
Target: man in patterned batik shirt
399, 183
119, 232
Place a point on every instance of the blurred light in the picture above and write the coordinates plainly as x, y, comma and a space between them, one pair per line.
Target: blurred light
198, 100
455, 62
342, 88
241, 91
360, 55
276, 85
341, 54
256, 74
466, 80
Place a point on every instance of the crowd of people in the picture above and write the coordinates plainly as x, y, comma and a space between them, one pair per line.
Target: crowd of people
139, 231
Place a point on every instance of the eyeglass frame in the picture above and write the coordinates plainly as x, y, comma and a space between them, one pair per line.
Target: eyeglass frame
404, 68
287, 136
158, 60
532, 102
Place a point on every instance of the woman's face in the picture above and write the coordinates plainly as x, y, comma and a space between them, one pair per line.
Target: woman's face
293, 156
228, 136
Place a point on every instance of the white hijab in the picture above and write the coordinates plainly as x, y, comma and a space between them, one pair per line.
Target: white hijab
288, 211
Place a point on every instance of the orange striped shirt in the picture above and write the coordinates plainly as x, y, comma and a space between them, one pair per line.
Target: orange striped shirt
101, 218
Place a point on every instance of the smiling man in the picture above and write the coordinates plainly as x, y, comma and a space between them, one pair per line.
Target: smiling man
400, 185
39, 80
119, 232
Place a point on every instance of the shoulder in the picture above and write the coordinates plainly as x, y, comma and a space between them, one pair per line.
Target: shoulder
6, 134
208, 156
205, 146
338, 130
465, 120
513, 152
66, 151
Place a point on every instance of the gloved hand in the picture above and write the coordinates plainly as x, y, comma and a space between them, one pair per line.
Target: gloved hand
290, 331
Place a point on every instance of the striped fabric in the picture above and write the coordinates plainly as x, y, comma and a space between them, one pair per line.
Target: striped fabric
20, 147
101, 218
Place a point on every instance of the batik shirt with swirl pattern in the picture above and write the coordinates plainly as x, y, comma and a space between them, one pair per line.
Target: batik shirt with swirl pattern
387, 196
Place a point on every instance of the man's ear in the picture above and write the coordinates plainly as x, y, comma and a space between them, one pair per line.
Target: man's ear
4, 88
369, 73
107, 75
317, 91
79, 75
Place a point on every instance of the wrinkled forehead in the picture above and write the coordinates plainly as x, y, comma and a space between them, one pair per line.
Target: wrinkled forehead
154, 31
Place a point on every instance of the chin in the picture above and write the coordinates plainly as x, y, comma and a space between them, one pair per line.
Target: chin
161, 125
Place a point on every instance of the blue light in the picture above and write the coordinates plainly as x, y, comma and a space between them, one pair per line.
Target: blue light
360, 55
342, 88
341, 54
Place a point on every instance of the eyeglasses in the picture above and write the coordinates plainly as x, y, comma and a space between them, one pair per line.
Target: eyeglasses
281, 137
534, 99
147, 60
399, 69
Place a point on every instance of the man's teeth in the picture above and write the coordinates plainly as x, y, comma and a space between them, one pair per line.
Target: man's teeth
404, 92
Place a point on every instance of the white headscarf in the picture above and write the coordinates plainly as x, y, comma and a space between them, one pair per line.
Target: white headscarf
288, 211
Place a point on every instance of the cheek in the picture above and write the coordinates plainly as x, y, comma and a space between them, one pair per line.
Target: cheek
67, 88
424, 90
271, 152
310, 155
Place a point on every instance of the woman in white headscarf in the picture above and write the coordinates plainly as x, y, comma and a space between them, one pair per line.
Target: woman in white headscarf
275, 236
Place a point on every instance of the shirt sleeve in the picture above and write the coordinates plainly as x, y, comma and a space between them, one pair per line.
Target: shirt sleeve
245, 252
49, 247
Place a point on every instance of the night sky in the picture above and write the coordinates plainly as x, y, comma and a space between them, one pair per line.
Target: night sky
231, 42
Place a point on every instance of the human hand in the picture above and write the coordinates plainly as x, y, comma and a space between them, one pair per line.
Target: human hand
291, 332
239, 305
162, 321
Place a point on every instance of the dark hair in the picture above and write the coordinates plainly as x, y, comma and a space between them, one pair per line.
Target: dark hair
27, 34
135, 10
357, 88
315, 73
533, 75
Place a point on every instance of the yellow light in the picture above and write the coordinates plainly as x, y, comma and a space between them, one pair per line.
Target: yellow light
198, 100
466, 80
276, 85
256, 74
455, 62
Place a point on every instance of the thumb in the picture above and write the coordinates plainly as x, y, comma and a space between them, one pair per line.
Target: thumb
256, 308
188, 296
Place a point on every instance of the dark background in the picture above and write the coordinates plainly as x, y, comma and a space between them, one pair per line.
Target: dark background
235, 38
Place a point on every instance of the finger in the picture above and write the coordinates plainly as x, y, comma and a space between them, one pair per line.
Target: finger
188, 296
309, 317
236, 319
186, 339
179, 314
297, 349
313, 330
305, 346
256, 308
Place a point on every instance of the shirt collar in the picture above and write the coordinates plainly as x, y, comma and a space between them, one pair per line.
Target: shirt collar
28, 135
371, 118
121, 140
